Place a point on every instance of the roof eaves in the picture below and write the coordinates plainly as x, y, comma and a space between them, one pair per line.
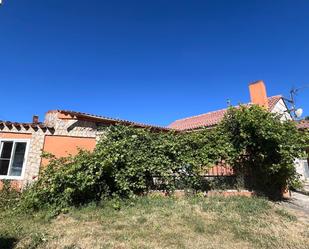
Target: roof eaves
10, 124
103, 119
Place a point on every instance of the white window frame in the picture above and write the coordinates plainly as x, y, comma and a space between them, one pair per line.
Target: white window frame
27, 141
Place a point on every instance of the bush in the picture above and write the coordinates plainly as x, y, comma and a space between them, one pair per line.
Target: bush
67, 181
9, 197
127, 161
264, 147
134, 158
130, 161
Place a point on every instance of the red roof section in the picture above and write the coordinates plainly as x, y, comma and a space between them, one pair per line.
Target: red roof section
211, 118
303, 125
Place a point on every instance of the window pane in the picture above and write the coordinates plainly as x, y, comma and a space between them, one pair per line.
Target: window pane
6, 150
4, 166
18, 159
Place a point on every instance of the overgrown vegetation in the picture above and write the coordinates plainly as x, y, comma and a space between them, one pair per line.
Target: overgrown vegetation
158, 222
9, 197
100, 193
264, 148
131, 161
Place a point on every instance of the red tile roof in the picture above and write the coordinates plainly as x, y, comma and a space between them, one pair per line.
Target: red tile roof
211, 118
303, 125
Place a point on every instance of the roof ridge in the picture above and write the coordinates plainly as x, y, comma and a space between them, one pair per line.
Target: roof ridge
206, 113
199, 115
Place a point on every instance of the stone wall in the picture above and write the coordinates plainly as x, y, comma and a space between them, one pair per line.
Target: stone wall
34, 157
61, 127
70, 127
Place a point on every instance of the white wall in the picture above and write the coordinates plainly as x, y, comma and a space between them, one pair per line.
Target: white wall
301, 165
282, 109
302, 168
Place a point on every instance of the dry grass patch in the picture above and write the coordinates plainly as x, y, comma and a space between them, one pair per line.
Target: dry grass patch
157, 222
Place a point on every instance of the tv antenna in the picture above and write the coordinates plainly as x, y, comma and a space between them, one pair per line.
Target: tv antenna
295, 112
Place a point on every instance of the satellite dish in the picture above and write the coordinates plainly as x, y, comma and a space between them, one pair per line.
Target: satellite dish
299, 112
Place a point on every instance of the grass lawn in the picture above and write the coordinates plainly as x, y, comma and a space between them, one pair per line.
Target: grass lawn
157, 222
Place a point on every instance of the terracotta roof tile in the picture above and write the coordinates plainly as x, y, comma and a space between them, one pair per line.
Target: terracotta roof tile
107, 120
26, 125
211, 118
303, 125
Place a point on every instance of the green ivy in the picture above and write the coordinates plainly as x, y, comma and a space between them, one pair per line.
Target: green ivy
130, 161
264, 147
127, 161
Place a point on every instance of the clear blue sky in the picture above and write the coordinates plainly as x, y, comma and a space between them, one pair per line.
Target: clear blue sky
151, 61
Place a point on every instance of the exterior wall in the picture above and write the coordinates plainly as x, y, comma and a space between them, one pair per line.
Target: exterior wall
61, 146
68, 136
34, 151
302, 168
12, 135
70, 127
282, 109
15, 184
34, 157
100, 134
301, 164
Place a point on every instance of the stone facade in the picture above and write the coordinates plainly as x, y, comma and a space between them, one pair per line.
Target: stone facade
36, 136
71, 127
32, 166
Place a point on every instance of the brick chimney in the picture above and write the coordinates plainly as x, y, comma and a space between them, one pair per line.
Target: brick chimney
258, 93
35, 119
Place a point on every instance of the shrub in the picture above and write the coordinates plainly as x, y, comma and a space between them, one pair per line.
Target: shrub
67, 181
130, 161
135, 157
264, 147
126, 161
9, 197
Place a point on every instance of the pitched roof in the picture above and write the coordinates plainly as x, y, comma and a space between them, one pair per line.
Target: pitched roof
107, 120
211, 118
303, 125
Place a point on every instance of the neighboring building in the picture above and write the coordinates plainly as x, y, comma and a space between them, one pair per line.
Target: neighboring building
65, 132
303, 125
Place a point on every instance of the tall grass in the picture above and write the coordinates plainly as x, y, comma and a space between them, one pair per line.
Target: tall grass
158, 222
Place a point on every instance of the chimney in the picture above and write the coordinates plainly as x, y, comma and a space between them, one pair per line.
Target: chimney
35, 119
258, 93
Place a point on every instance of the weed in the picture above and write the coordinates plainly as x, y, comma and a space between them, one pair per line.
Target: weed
157, 222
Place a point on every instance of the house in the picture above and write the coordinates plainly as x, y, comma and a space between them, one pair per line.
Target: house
65, 132
258, 94
62, 133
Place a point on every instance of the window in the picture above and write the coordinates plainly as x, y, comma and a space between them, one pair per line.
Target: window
12, 158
